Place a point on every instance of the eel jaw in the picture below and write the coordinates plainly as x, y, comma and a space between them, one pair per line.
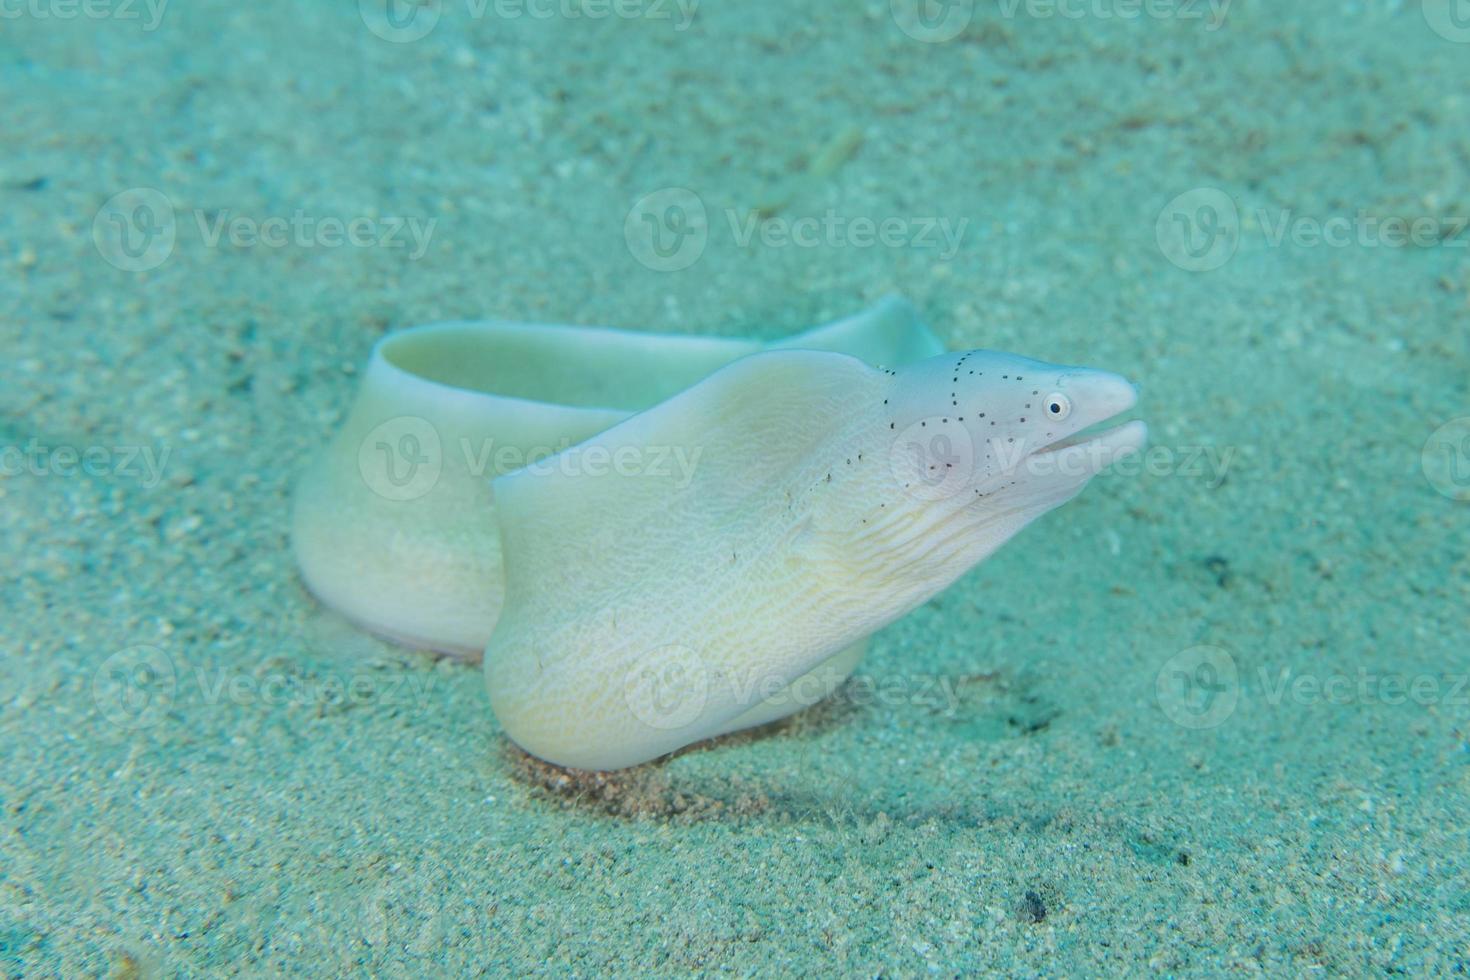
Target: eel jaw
1090, 452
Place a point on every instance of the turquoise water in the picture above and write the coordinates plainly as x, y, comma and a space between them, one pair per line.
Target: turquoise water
1212, 715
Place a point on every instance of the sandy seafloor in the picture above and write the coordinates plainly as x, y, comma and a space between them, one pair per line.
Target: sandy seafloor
1053, 816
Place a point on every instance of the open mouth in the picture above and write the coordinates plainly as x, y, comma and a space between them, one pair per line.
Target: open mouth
1094, 448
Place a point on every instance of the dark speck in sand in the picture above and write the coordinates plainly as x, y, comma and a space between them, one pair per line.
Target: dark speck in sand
1032, 908
1219, 567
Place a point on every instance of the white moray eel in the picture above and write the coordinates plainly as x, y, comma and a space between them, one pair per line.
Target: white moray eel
646, 611
393, 525
716, 560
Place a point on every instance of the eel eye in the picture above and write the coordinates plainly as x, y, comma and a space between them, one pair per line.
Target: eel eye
1058, 406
